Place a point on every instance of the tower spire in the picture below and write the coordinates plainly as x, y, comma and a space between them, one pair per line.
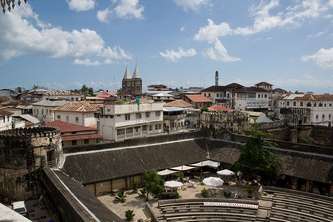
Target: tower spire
136, 73
126, 75
216, 78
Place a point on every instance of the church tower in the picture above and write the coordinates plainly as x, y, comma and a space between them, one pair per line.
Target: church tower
132, 85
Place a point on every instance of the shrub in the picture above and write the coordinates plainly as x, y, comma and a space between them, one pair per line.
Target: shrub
227, 193
204, 193
121, 197
169, 195
129, 214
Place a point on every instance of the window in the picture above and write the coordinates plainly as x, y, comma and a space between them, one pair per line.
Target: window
120, 132
147, 114
294, 103
58, 117
144, 128
150, 127
309, 104
317, 116
157, 113
129, 130
329, 116
320, 105
77, 119
67, 118
74, 142
138, 115
315, 104
258, 95
301, 103
137, 129
86, 141
156, 127
265, 95
288, 103
127, 116
323, 117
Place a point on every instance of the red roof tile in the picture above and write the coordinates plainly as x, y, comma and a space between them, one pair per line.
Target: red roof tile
198, 98
65, 127
178, 103
82, 106
219, 108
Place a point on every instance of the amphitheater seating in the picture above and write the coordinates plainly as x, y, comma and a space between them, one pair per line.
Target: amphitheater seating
197, 210
299, 206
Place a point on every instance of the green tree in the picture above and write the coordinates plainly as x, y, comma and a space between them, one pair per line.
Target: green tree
129, 214
256, 160
87, 91
153, 183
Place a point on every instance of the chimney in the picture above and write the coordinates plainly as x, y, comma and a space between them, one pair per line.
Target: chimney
216, 78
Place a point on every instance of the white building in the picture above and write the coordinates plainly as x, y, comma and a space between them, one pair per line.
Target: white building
79, 113
121, 122
319, 108
6, 120
252, 98
43, 109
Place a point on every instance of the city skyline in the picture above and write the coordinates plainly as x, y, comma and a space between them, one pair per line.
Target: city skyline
177, 43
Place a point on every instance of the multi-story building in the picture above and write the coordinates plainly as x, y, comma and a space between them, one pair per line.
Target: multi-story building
126, 121
174, 119
222, 94
6, 120
79, 113
37, 95
310, 109
131, 85
252, 98
43, 110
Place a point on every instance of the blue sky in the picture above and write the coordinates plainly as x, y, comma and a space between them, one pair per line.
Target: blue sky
64, 44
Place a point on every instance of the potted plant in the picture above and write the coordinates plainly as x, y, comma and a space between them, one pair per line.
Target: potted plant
129, 214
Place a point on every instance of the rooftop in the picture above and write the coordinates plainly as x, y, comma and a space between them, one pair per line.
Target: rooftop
198, 98
178, 103
219, 108
81, 106
50, 103
65, 127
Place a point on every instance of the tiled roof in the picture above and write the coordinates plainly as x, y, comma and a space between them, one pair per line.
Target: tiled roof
231, 86
263, 83
65, 127
4, 112
178, 103
81, 106
198, 98
312, 97
251, 89
105, 95
50, 103
81, 137
219, 108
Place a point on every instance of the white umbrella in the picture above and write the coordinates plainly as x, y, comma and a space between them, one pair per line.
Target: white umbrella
173, 184
213, 181
225, 172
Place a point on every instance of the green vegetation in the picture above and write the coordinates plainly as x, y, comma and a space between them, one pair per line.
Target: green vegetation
256, 160
129, 214
204, 193
121, 197
153, 183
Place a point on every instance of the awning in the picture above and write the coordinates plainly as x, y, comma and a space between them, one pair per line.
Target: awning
166, 172
213, 181
182, 168
208, 163
225, 172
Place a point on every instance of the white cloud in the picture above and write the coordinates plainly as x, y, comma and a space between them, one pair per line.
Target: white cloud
86, 62
175, 55
32, 36
81, 5
191, 5
129, 9
212, 31
264, 20
104, 15
219, 52
323, 57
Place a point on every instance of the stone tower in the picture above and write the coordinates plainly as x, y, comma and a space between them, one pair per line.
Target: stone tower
132, 85
216, 78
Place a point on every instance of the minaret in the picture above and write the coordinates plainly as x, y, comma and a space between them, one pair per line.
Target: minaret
216, 78
126, 75
136, 73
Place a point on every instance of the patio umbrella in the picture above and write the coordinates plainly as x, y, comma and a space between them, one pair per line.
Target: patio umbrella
225, 172
173, 184
213, 181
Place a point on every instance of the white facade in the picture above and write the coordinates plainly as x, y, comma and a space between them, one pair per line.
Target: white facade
6, 122
252, 100
321, 109
43, 110
87, 119
121, 122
